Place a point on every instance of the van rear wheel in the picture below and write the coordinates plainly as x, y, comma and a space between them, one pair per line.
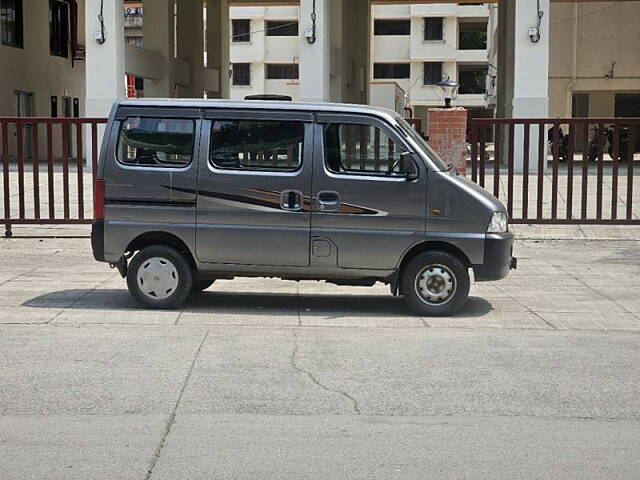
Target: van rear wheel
435, 284
159, 277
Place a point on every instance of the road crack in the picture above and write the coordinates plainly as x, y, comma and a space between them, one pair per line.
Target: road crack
528, 309
172, 417
294, 364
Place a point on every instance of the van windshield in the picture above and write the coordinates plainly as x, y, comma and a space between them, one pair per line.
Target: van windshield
410, 132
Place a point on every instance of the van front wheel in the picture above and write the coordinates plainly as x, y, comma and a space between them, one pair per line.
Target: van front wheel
159, 277
435, 284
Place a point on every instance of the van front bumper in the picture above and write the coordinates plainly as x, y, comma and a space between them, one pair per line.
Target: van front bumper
498, 257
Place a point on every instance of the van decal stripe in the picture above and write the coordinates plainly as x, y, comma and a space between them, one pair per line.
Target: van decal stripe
271, 199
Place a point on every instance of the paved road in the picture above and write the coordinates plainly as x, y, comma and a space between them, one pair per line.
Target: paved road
537, 378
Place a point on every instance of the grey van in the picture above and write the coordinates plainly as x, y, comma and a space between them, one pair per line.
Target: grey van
191, 191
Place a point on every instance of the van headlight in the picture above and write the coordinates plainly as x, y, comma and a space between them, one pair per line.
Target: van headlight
498, 223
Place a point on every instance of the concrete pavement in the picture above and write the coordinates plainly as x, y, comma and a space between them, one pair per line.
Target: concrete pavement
536, 378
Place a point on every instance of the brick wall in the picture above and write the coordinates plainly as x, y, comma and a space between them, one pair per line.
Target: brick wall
448, 135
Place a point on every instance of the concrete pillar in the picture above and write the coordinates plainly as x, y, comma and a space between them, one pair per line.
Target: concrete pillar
218, 44
448, 135
335, 65
158, 34
523, 68
355, 50
315, 51
104, 67
190, 47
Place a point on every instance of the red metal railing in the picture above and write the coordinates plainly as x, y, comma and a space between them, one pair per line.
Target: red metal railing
560, 170
590, 175
63, 141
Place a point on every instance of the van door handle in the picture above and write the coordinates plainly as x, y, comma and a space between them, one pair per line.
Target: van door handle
328, 201
291, 200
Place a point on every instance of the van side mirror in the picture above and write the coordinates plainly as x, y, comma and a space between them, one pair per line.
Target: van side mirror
405, 166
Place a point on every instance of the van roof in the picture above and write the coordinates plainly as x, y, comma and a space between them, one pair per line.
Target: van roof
260, 105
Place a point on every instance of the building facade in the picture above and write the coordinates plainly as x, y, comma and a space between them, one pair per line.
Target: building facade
42, 68
594, 65
264, 51
416, 46
411, 46
54, 60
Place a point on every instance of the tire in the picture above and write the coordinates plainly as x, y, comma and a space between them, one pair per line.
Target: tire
435, 284
198, 286
169, 287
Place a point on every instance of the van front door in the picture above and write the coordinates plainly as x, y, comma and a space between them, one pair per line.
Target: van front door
369, 194
254, 187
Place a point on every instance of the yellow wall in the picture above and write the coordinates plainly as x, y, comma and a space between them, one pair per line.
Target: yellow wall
582, 51
34, 69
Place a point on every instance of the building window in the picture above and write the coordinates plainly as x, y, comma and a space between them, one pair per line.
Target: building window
54, 106
391, 70
432, 72
472, 79
472, 36
392, 27
241, 74
433, 28
282, 71
241, 30
156, 142
267, 145
58, 28
284, 28
11, 23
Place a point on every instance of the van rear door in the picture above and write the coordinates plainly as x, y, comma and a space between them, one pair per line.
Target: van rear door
254, 188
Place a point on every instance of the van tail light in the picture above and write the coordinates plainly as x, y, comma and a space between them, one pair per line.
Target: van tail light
98, 200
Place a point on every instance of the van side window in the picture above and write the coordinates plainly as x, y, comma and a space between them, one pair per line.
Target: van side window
267, 145
365, 150
156, 142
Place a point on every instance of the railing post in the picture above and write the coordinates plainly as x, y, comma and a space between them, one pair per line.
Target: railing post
5, 179
473, 138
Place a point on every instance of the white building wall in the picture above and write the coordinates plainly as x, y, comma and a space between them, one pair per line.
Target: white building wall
416, 50
263, 49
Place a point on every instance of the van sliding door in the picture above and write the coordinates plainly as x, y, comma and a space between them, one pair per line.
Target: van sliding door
254, 188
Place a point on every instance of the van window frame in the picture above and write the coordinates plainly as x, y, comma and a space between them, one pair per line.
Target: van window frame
211, 115
363, 119
123, 113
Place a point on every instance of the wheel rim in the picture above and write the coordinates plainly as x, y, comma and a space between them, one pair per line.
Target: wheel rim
157, 278
435, 285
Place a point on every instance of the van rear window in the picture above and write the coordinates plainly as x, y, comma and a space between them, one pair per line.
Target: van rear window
156, 142
268, 145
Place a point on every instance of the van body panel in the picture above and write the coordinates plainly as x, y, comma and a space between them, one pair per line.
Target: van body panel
458, 212
376, 217
242, 215
118, 235
150, 185
140, 199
